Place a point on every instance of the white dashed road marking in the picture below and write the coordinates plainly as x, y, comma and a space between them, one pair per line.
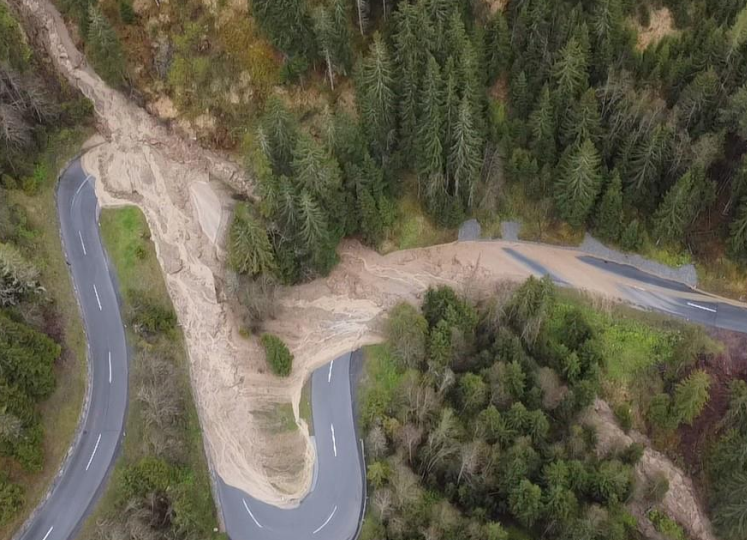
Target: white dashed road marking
329, 375
325, 523
98, 300
82, 244
701, 307
48, 533
110, 367
94, 451
334, 443
251, 515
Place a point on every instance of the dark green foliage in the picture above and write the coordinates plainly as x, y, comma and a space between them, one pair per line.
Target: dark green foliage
278, 356
249, 248
376, 97
738, 230
148, 317
682, 205
11, 499
406, 332
104, 48
465, 435
631, 238
579, 182
288, 25
126, 12
690, 396
609, 218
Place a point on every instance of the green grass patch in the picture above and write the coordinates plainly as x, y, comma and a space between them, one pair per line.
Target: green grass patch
413, 228
183, 480
305, 406
41, 240
379, 383
278, 419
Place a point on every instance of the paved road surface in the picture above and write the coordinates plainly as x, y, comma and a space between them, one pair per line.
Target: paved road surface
81, 483
332, 509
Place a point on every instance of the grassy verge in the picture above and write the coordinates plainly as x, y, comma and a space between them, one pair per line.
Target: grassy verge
378, 384
413, 229
305, 406
61, 411
162, 456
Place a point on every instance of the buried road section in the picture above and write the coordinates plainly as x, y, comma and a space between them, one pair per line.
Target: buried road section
332, 509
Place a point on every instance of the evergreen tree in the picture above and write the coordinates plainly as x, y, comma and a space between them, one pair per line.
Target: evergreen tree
698, 102
333, 37
570, 73
249, 247
323, 30
583, 121
409, 58
609, 219
734, 115
376, 97
430, 125
631, 237
643, 170
542, 125
579, 182
465, 156
691, 395
315, 169
371, 225
738, 230
498, 46
525, 502
104, 48
520, 95
278, 134
681, 205
287, 24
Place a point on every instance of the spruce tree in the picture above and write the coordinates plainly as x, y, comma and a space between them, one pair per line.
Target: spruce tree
570, 71
288, 25
465, 154
691, 395
250, 251
278, 135
376, 97
430, 127
104, 48
738, 232
409, 58
609, 218
315, 169
498, 46
520, 95
323, 30
579, 182
371, 225
542, 125
681, 205
583, 121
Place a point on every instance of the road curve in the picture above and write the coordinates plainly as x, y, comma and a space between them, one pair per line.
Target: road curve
84, 474
333, 507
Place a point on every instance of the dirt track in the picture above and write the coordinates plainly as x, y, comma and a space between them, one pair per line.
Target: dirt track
172, 181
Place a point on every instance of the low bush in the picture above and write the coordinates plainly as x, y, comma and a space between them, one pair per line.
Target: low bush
278, 356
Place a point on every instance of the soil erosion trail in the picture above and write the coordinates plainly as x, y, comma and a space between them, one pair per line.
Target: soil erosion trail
173, 182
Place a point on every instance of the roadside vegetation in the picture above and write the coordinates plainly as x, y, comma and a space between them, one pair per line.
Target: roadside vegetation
160, 486
42, 343
475, 419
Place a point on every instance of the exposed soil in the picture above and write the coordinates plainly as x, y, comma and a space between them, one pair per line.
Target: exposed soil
662, 24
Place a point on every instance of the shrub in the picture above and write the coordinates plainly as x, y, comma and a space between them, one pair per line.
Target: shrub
691, 395
624, 416
632, 454
406, 330
666, 525
11, 499
656, 488
150, 318
278, 356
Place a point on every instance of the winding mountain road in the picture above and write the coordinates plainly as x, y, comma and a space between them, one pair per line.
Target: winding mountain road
333, 508
92, 456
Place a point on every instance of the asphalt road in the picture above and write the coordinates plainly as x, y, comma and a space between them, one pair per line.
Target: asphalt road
333, 507
93, 454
